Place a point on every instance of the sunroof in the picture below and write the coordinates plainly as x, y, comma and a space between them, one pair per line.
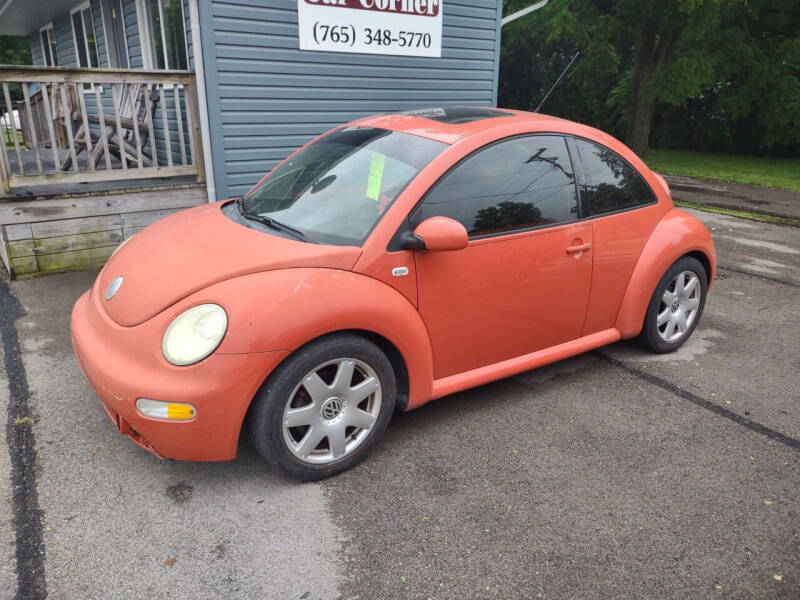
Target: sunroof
455, 115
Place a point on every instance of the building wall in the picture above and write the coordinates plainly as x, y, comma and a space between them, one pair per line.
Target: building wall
132, 33
36, 48
266, 97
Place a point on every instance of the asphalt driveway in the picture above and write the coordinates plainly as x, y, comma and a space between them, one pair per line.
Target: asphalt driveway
615, 474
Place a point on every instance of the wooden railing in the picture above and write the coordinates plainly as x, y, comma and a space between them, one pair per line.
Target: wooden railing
87, 125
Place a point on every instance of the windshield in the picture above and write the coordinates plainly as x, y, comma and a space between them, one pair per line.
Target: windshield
336, 190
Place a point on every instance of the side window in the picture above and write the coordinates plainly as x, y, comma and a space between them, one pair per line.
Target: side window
611, 183
511, 185
49, 50
85, 40
167, 34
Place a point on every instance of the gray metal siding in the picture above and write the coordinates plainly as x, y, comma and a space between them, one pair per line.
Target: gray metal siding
266, 97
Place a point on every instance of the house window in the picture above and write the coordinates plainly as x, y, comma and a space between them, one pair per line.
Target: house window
167, 34
49, 49
83, 32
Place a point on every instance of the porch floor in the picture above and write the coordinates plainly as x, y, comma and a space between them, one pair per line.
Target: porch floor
29, 164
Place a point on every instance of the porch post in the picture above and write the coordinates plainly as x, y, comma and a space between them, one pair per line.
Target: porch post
5, 185
202, 102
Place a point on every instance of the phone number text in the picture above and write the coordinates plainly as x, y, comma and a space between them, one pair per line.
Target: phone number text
347, 35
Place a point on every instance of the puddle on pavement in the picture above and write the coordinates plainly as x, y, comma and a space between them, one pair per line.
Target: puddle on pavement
763, 265
772, 246
697, 345
36, 344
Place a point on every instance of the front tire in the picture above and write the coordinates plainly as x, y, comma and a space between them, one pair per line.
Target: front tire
322, 410
676, 306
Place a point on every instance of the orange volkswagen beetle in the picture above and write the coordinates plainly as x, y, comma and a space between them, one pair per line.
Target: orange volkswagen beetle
391, 261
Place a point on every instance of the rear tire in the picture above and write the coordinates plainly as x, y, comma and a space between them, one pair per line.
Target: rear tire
323, 410
676, 306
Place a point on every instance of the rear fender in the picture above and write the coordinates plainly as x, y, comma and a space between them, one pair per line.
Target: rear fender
677, 234
285, 309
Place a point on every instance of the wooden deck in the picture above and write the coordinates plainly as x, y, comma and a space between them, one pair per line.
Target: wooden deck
65, 232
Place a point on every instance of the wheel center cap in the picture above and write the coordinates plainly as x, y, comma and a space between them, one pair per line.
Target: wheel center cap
331, 408
676, 304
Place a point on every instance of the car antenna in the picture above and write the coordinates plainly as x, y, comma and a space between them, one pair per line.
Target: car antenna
560, 77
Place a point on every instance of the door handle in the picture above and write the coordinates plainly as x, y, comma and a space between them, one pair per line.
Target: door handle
579, 248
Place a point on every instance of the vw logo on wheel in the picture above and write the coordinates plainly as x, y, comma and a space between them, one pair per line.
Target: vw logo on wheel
331, 409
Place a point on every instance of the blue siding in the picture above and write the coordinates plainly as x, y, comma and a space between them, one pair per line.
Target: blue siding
272, 97
132, 33
99, 32
35, 44
65, 41
188, 30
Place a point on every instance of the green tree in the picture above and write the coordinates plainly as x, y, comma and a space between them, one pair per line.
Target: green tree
634, 54
708, 75
14, 50
754, 102
672, 59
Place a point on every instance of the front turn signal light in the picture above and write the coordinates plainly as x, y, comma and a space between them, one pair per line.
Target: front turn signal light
167, 411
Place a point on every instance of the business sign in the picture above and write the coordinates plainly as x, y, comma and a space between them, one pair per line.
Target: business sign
402, 27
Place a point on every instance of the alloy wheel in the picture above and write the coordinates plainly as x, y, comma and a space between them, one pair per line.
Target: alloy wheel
332, 410
679, 306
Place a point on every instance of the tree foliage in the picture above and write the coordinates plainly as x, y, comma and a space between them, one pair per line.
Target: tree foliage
704, 74
14, 50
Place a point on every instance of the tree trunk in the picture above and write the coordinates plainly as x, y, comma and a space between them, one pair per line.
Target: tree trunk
639, 125
651, 51
642, 101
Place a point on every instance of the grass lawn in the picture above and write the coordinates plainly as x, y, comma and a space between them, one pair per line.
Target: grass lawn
774, 172
8, 137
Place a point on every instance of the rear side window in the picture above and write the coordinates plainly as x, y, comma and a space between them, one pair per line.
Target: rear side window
515, 184
611, 183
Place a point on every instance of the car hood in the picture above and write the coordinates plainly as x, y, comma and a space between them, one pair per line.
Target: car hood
193, 249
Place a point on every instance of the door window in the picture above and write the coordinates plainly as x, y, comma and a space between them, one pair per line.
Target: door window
611, 183
515, 184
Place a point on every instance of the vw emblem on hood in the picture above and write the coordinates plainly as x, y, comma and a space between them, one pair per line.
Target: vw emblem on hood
113, 288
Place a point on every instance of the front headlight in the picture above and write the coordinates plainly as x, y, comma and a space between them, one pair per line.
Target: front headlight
194, 334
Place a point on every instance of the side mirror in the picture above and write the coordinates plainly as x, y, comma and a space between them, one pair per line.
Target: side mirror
437, 234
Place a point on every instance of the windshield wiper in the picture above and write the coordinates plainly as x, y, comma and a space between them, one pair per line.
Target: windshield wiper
278, 225
270, 222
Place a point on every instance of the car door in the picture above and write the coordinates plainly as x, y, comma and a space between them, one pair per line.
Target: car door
522, 283
623, 211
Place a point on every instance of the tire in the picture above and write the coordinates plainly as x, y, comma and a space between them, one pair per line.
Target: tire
311, 419
672, 317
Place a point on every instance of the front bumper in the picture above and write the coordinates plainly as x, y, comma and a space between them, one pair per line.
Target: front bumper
123, 364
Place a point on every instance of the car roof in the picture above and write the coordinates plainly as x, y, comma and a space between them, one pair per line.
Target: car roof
455, 123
